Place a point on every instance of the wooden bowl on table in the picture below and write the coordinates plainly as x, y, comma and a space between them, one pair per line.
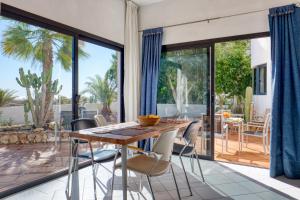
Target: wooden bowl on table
148, 120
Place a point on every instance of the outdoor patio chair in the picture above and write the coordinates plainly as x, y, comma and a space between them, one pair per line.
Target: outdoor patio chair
261, 131
260, 119
98, 156
189, 149
154, 163
220, 128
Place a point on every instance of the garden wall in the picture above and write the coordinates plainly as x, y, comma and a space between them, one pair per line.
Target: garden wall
16, 113
191, 110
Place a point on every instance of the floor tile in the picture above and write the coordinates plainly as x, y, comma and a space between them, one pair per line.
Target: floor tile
230, 189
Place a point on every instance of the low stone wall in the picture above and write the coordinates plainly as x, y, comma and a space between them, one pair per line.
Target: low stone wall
38, 135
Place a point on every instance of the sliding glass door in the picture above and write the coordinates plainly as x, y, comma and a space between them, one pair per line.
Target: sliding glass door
184, 90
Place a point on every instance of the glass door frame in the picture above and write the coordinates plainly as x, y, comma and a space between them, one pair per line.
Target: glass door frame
36, 20
210, 82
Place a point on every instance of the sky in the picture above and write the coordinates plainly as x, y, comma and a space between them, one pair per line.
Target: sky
98, 62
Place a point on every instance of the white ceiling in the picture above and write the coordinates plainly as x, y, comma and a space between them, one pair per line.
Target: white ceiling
146, 2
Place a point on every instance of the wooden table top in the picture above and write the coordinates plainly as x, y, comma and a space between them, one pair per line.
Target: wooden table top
127, 133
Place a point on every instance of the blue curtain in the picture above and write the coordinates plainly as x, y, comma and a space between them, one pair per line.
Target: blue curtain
151, 51
285, 124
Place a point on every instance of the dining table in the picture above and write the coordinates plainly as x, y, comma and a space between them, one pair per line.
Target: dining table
121, 134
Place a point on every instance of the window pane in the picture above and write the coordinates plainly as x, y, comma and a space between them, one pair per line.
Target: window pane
99, 84
35, 95
182, 86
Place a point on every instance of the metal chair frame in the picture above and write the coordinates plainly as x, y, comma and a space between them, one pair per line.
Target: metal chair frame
73, 164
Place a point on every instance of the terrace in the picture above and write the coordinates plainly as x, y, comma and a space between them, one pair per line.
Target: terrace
156, 88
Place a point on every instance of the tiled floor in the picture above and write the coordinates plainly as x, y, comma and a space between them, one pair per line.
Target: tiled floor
221, 183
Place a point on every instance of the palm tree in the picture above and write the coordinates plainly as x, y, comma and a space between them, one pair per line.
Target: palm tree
6, 96
42, 46
104, 89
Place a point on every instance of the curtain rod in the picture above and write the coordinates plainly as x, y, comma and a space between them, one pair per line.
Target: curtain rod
216, 18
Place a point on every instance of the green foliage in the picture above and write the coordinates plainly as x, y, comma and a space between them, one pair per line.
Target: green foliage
64, 100
190, 64
233, 68
36, 97
6, 96
27, 42
104, 89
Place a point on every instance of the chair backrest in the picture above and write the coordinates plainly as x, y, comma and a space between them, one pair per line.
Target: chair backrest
83, 123
164, 145
193, 127
267, 124
100, 120
267, 112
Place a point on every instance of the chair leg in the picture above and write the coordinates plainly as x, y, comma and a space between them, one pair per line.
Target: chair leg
93, 169
148, 178
200, 167
222, 145
175, 181
141, 185
264, 144
113, 173
69, 176
186, 178
192, 163
226, 144
70, 169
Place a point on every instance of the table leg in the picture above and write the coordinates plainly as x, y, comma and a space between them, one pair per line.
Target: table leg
124, 171
75, 177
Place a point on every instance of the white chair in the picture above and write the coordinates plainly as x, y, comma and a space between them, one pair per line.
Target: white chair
156, 162
100, 120
261, 131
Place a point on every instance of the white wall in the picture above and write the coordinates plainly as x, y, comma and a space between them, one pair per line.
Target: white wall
261, 54
170, 12
104, 18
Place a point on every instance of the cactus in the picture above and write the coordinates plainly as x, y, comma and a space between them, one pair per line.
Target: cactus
36, 96
248, 103
26, 111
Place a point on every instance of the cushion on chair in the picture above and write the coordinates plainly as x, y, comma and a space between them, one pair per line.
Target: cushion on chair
146, 165
177, 148
101, 155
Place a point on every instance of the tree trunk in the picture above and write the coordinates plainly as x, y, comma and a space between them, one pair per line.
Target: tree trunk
47, 69
106, 111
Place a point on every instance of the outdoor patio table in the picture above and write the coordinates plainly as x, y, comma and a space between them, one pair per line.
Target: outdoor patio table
236, 122
120, 134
